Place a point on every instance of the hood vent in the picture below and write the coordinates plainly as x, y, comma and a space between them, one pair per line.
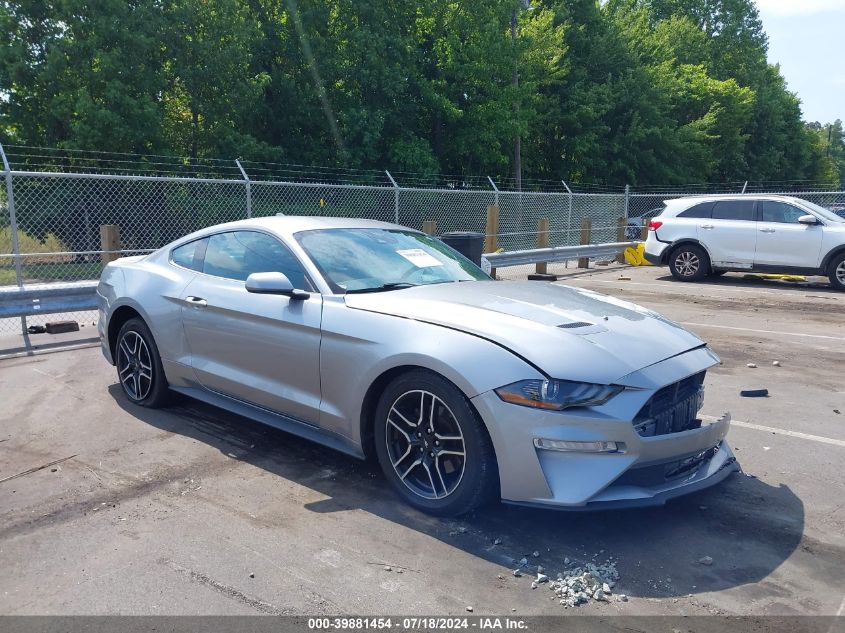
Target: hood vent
574, 324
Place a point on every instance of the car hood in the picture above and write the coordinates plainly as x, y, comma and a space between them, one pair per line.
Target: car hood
568, 333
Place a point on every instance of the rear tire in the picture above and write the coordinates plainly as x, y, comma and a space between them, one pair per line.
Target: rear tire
689, 262
139, 368
432, 446
837, 272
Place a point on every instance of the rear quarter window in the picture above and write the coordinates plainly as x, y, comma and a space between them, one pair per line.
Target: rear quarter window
700, 210
189, 255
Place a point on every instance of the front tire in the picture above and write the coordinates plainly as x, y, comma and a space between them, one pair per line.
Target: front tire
689, 262
837, 272
139, 368
432, 447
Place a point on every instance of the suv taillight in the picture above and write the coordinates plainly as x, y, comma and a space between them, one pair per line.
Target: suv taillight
653, 225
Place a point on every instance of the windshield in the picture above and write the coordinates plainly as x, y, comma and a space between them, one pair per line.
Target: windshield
367, 260
830, 216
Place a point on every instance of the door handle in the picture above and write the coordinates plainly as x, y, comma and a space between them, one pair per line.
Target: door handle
706, 226
767, 230
197, 301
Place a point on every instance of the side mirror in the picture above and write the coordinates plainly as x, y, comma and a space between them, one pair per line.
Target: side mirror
808, 219
274, 284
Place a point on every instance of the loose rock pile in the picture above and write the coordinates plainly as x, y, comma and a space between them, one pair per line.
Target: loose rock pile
582, 584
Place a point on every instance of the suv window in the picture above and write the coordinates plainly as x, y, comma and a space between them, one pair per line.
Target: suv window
734, 210
238, 254
189, 255
774, 211
701, 210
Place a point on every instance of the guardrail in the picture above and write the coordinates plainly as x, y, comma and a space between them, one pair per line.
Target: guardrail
81, 295
556, 254
48, 299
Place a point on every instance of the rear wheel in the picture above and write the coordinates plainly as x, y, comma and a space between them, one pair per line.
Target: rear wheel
837, 272
689, 262
139, 368
432, 446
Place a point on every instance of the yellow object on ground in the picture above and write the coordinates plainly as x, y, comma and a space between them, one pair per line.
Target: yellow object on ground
781, 277
635, 255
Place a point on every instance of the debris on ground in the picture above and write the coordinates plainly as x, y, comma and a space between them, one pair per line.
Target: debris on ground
582, 584
707, 560
523, 561
388, 568
837, 411
535, 554
754, 393
517, 573
776, 363
36, 468
469, 609
497, 541
752, 365
251, 575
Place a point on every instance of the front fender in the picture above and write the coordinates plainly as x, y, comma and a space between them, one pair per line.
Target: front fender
360, 346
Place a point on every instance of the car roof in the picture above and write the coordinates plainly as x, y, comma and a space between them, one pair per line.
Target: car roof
681, 204
287, 225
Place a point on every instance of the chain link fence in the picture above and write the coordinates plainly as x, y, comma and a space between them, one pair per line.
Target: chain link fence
53, 204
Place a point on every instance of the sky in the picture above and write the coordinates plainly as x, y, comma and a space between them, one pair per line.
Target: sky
807, 39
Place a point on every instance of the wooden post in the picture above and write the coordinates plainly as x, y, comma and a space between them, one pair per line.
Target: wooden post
110, 242
621, 224
429, 227
644, 233
542, 242
586, 225
490, 232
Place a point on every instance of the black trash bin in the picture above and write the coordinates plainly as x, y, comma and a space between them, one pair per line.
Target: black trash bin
467, 243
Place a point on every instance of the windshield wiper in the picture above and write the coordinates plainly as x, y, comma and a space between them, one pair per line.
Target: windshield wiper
383, 288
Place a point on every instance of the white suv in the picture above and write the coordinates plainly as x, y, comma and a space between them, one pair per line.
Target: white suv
703, 236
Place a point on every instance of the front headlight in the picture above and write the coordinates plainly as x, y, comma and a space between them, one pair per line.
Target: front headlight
556, 395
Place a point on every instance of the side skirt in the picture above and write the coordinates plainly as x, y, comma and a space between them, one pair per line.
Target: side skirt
272, 418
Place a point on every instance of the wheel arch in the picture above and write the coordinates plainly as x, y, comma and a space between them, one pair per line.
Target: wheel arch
688, 240
376, 389
120, 316
835, 252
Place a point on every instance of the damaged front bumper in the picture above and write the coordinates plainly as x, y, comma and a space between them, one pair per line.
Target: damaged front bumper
617, 466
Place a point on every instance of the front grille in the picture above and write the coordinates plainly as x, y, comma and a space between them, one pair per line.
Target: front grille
673, 408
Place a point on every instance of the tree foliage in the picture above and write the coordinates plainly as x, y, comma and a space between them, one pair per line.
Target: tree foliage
623, 91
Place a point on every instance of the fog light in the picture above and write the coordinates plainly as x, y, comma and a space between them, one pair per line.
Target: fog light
578, 447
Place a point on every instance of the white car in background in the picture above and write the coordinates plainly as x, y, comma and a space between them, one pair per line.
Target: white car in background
701, 236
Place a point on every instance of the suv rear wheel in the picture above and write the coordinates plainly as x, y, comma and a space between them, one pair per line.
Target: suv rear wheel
689, 262
837, 272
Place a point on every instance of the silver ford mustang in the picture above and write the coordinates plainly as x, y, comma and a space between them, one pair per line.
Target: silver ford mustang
378, 340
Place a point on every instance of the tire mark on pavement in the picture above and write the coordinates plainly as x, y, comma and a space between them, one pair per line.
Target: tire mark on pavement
228, 591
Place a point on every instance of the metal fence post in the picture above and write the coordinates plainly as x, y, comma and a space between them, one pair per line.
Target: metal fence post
495, 191
395, 198
569, 217
13, 226
248, 188
745, 186
627, 199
